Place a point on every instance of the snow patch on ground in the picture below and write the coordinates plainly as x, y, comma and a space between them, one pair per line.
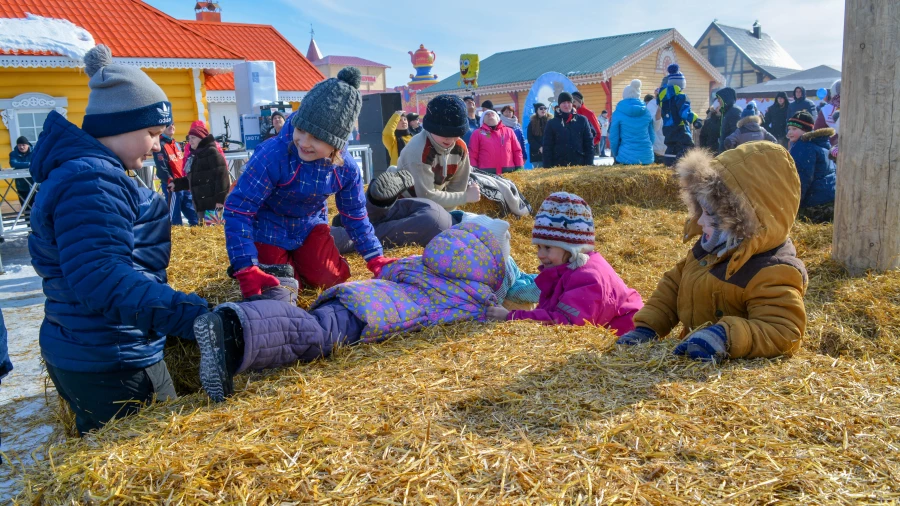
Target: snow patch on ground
36, 33
27, 406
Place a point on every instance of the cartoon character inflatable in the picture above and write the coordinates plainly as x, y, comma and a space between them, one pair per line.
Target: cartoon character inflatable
468, 70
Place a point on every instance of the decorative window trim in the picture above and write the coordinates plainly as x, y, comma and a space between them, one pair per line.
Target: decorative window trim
10, 108
228, 97
220, 97
20, 61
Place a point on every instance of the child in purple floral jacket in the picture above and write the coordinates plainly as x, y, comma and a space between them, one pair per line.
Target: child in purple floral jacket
455, 279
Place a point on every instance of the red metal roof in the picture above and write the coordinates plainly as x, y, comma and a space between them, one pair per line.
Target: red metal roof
131, 28
259, 42
349, 60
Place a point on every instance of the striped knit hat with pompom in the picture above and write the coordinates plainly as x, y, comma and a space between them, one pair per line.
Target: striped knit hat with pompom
675, 77
565, 221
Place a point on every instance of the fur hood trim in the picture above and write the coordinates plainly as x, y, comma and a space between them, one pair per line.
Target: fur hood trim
822, 132
749, 119
701, 181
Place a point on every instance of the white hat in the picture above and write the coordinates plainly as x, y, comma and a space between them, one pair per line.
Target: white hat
499, 228
633, 90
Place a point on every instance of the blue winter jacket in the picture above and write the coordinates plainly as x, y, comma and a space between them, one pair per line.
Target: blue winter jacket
19, 160
631, 133
816, 170
101, 245
677, 116
280, 198
804, 104
521, 138
5, 364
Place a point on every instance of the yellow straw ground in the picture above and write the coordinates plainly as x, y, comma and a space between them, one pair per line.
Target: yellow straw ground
518, 413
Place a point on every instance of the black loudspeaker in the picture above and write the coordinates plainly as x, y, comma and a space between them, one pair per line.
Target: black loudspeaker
377, 109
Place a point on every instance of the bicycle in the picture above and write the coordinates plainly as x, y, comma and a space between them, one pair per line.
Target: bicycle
227, 143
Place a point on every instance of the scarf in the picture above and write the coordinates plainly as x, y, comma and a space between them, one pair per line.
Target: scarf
441, 150
510, 122
400, 134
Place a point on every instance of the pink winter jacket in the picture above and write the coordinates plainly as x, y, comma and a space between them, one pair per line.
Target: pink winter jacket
495, 149
593, 293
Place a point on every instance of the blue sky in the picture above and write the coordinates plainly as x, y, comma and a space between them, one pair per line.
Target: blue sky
810, 30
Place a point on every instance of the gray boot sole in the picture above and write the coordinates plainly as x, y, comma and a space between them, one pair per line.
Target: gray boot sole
389, 185
210, 335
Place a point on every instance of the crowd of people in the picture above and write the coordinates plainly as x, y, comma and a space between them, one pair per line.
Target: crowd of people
101, 243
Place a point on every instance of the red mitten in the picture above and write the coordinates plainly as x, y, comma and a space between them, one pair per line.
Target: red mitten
376, 264
253, 280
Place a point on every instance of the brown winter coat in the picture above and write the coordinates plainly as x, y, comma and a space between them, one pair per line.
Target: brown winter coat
208, 176
756, 291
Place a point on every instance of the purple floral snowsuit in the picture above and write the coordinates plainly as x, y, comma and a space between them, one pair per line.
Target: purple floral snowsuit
454, 280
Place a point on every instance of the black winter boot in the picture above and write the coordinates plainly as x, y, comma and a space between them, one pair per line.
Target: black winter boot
215, 377
387, 187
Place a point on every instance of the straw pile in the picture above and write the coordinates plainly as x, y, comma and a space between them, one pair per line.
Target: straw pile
645, 186
518, 413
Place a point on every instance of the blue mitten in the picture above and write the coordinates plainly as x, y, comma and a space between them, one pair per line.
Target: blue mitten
709, 344
639, 335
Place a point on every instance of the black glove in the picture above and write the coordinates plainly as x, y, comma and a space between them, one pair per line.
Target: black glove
698, 124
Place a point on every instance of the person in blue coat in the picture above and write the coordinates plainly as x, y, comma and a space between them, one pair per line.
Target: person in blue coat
101, 245
810, 149
631, 133
5, 364
801, 103
20, 158
508, 117
567, 137
277, 215
677, 116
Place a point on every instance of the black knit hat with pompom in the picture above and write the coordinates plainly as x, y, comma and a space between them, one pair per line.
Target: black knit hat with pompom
330, 109
446, 116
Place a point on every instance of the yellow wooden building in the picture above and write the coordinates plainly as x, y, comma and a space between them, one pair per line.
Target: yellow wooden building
745, 57
185, 57
601, 69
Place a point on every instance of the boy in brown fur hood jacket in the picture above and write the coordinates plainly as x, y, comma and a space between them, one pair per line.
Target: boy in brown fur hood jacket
739, 291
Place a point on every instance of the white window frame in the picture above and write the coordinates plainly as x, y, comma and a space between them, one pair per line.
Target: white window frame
28, 103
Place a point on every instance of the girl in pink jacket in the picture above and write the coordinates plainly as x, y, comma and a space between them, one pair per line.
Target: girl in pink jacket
494, 147
577, 285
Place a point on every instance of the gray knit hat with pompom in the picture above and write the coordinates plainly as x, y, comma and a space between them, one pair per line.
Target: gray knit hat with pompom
330, 109
123, 98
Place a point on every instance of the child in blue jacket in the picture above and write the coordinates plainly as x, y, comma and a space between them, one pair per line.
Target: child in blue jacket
677, 116
276, 214
810, 148
101, 244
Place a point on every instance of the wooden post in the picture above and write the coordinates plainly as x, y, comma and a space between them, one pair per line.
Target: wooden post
867, 205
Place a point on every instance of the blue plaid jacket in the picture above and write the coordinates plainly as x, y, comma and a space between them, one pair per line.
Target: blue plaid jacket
280, 198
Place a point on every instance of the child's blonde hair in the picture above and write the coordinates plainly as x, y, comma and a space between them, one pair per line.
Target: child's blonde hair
337, 158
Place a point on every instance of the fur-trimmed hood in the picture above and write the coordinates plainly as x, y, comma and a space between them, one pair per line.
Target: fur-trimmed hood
751, 121
816, 134
754, 189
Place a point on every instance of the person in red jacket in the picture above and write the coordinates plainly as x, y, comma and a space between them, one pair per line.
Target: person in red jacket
578, 102
169, 162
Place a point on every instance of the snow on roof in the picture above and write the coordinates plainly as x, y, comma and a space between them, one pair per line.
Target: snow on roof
40, 34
